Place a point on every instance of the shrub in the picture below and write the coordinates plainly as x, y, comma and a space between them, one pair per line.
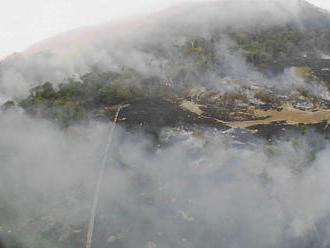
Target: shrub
8, 105
304, 72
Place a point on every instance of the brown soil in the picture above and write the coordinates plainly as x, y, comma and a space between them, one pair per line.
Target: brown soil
288, 114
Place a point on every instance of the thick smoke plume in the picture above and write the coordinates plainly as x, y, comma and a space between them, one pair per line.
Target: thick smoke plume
149, 44
192, 191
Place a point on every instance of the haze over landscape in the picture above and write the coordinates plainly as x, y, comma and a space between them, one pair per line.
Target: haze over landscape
27, 22
159, 124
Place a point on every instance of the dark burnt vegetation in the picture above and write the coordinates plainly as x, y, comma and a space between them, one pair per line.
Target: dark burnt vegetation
89, 96
267, 97
188, 65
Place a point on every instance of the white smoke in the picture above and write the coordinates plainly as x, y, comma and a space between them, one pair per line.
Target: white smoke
131, 47
191, 191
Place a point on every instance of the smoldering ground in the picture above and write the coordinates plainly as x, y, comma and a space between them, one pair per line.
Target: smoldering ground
190, 190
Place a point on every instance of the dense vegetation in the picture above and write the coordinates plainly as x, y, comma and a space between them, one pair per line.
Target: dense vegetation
78, 99
283, 43
188, 64
75, 99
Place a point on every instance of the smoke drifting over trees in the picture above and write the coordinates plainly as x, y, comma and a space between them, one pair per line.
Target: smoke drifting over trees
150, 45
181, 185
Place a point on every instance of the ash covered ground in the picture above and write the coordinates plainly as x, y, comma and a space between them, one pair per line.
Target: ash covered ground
222, 138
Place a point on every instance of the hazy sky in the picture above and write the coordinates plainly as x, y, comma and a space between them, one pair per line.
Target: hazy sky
23, 22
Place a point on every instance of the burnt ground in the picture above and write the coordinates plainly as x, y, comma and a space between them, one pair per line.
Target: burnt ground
231, 113
279, 129
319, 67
151, 115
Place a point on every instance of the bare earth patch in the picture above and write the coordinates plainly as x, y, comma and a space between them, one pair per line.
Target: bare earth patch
192, 107
288, 114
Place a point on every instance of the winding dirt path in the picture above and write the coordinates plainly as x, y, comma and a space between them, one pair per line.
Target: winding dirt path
288, 114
